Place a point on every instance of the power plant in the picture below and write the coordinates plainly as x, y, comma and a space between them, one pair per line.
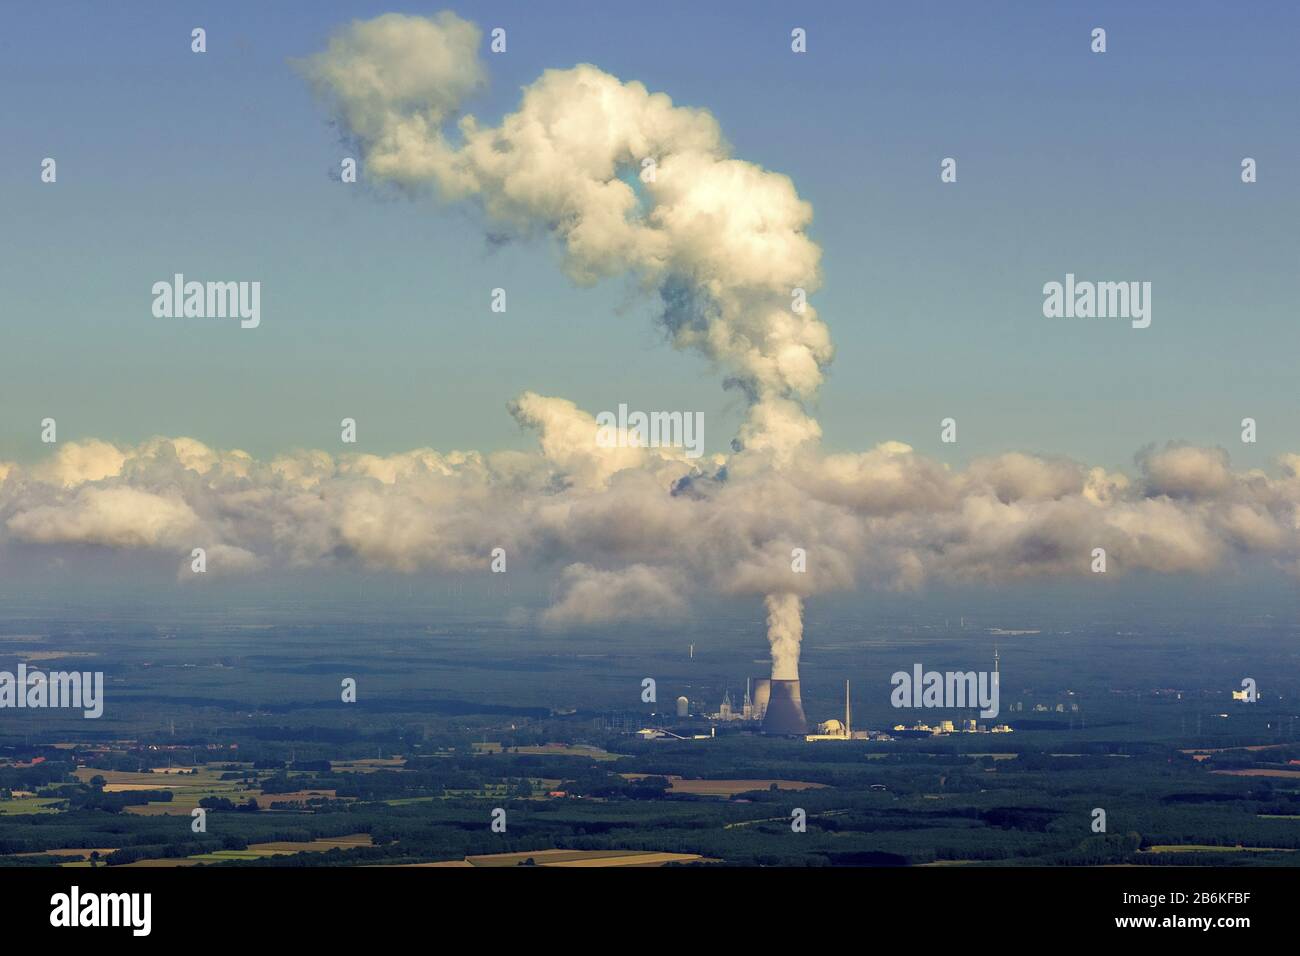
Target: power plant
774, 707
833, 729
784, 713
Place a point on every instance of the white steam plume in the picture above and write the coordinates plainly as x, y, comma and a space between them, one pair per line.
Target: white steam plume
784, 633
722, 240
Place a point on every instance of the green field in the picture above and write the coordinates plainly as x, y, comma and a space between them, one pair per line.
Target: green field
27, 805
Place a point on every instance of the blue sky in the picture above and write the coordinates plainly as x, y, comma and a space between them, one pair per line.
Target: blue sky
1116, 166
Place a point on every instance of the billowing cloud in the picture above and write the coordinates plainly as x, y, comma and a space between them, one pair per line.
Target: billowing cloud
785, 631
888, 517
75, 462
1182, 471
395, 79
118, 517
637, 592
627, 181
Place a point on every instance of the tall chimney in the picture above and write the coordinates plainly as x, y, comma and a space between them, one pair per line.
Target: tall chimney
785, 710
848, 716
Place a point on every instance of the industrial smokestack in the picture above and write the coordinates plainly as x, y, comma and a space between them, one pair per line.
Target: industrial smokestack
762, 693
785, 710
848, 713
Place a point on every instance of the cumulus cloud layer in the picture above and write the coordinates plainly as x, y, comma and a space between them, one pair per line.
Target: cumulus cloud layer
636, 535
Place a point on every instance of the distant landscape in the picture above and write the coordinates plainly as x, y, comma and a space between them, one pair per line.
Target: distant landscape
239, 712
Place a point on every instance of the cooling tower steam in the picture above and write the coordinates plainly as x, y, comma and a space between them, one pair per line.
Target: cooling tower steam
721, 241
784, 633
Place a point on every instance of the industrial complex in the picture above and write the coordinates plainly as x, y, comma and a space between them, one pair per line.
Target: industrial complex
774, 707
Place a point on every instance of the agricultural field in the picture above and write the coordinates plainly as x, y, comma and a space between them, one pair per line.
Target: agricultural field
570, 858
188, 785
260, 851
728, 788
367, 765
568, 750
1262, 772
27, 805
1206, 848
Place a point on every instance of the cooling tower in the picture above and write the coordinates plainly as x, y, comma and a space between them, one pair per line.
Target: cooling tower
762, 690
785, 710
